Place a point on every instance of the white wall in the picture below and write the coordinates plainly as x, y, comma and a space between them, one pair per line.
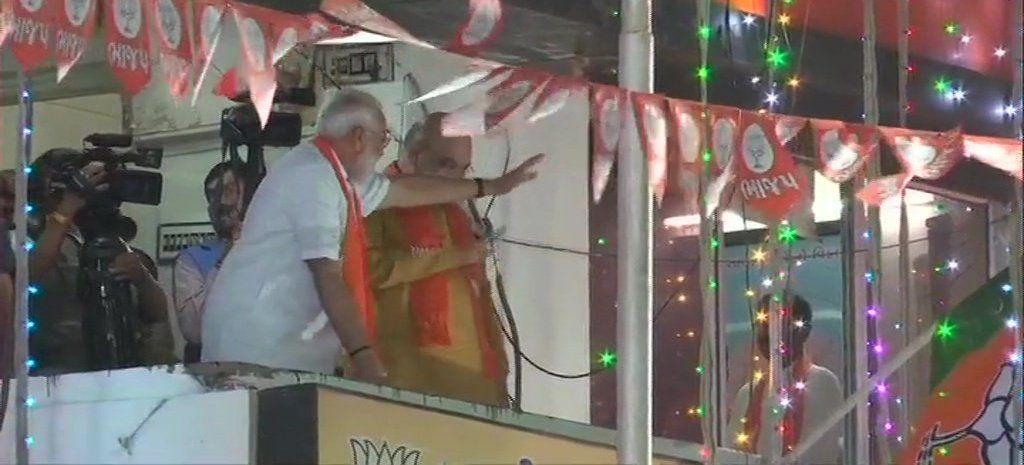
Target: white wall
549, 291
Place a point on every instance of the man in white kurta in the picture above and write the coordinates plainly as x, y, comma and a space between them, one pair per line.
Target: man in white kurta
281, 297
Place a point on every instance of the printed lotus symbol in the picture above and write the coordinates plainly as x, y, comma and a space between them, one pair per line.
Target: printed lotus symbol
366, 452
992, 428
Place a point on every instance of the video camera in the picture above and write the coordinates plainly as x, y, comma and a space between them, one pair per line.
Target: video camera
240, 126
61, 170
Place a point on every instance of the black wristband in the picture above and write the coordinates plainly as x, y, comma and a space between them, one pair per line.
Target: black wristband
479, 188
353, 353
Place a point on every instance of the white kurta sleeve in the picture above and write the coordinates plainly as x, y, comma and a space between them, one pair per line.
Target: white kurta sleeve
316, 210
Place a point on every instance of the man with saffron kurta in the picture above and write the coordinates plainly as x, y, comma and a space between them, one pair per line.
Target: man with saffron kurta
437, 326
294, 292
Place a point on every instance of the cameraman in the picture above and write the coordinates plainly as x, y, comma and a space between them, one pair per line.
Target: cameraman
58, 343
196, 267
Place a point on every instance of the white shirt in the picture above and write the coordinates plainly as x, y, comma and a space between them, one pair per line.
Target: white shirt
263, 303
822, 396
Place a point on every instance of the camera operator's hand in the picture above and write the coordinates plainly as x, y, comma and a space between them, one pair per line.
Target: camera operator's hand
129, 266
72, 202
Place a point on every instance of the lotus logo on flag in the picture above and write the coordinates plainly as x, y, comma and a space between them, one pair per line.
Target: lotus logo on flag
367, 452
991, 429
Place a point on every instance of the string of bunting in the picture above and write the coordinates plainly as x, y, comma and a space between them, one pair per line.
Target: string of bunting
747, 150
182, 35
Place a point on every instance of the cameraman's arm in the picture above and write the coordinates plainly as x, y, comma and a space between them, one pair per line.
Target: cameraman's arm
47, 249
139, 269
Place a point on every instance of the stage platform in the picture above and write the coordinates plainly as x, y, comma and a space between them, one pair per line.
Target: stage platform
245, 414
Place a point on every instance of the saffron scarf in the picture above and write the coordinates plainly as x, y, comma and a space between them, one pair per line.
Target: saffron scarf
354, 246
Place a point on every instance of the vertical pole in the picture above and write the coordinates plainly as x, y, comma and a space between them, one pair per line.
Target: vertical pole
852, 325
711, 351
1017, 251
903, 16
873, 258
635, 270
21, 316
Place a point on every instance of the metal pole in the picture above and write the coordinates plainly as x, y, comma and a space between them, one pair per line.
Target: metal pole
635, 269
1017, 260
873, 258
21, 355
903, 15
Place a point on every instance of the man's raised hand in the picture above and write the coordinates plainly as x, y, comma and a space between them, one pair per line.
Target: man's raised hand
523, 173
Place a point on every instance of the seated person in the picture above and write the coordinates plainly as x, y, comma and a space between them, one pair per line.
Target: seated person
60, 342
438, 331
196, 266
814, 393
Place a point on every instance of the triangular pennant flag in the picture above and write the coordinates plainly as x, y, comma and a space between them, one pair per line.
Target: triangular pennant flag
881, 189
607, 105
209, 19
843, 149
267, 35
174, 30
788, 127
721, 150
926, 155
724, 136
768, 177
649, 111
127, 24
1003, 154
474, 76
685, 142
483, 26
554, 96
506, 99
356, 13
75, 29
32, 32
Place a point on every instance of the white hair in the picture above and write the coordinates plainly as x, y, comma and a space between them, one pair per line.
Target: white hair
348, 109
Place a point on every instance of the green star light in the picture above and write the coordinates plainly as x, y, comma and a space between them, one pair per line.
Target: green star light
608, 358
777, 58
946, 330
943, 85
788, 234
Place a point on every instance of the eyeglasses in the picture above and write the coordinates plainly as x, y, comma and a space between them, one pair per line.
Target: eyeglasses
386, 137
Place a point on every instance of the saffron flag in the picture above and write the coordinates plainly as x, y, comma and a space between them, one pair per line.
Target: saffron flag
31, 33
969, 418
174, 31
607, 104
128, 44
75, 29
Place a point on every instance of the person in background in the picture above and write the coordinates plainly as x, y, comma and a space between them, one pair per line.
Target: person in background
814, 394
57, 343
438, 331
295, 291
7, 265
196, 266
